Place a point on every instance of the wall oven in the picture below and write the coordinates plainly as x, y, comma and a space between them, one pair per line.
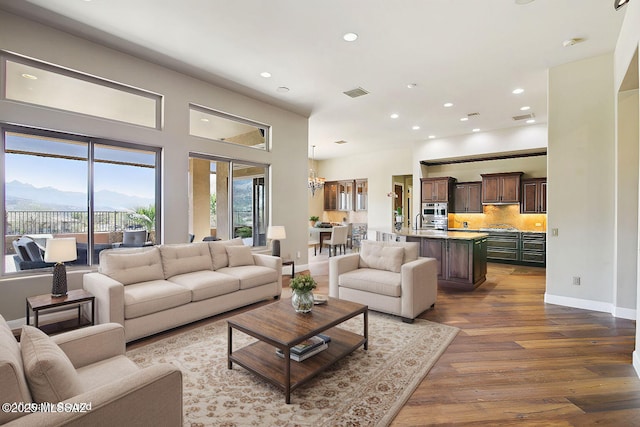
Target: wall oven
435, 215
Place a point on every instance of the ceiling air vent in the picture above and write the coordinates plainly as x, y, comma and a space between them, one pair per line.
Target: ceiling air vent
524, 117
354, 93
342, 141
472, 114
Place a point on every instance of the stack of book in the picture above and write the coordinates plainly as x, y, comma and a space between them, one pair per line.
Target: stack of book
307, 348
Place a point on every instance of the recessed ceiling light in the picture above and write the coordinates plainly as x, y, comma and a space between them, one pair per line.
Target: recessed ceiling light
448, 104
282, 89
29, 76
432, 136
265, 74
530, 121
464, 119
350, 37
523, 1
571, 42
416, 128
204, 119
525, 108
517, 91
394, 115
412, 85
475, 130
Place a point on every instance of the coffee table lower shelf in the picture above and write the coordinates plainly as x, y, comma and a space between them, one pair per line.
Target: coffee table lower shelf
261, 359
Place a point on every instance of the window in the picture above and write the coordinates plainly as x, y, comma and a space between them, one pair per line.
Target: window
219, 126
49, 86
228, 199
58, 185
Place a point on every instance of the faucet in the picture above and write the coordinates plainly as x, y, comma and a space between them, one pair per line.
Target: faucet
418, 218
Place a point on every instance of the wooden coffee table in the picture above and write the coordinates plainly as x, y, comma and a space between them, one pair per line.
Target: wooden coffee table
277, 325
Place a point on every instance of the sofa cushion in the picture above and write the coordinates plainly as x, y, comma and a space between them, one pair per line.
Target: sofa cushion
251, 276
219, 252
380, 282
185, 258
129, 266
153, 296
381, 257
14, 386
207, 284
49, 372
239, 255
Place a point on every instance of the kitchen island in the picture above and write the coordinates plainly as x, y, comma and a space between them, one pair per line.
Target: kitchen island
462, 256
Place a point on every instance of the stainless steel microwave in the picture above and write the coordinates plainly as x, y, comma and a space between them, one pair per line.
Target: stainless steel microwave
434, 210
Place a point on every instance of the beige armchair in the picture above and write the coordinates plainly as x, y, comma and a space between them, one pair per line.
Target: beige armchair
386, 276
86, 367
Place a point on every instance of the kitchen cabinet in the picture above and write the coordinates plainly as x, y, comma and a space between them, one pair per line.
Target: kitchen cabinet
462, 262
501, 188
361, 195
330, 195
503, 246
467, 197
345, 195
534, 196
436, 190
533, 248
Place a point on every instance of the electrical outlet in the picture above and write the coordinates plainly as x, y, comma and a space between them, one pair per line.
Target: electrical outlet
554, 231
576, 280
298, 254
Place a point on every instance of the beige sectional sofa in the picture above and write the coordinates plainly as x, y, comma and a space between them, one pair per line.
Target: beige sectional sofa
386, 276
152, 289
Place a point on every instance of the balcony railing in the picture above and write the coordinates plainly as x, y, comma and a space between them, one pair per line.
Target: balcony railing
60, 222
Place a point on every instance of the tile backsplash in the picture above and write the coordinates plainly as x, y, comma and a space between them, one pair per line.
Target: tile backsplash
500, 216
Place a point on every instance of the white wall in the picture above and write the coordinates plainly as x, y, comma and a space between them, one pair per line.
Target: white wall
581, 183
289, 136
626, 48
378, 168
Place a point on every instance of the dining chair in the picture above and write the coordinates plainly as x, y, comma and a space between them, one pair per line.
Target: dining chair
338, 239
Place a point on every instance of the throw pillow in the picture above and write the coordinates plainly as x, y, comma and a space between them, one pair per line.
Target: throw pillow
381, 257
49, 372
239, 255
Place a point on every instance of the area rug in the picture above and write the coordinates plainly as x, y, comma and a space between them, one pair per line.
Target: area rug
367, 388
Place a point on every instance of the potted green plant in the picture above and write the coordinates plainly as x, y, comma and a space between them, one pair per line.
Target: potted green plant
313, 219
302, 296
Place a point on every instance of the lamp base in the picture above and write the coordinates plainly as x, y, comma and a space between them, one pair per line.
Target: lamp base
59, 288
275, 249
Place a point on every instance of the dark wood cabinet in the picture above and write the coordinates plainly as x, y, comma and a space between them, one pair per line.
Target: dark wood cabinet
330, 195
467, 197
534, 196
498, 188
435, 249
436, 190
533, 249
503, 246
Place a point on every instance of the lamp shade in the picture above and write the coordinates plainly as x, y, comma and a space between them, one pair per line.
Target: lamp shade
276, 232
60, 250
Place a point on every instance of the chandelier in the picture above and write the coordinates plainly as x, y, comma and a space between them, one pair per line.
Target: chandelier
315, 182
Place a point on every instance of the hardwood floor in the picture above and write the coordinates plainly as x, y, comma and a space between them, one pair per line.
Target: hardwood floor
519, 361
516, 360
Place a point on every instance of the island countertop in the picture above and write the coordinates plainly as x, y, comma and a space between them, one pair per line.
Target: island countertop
437, 234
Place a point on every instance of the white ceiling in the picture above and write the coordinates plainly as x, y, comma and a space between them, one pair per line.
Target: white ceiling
472, 53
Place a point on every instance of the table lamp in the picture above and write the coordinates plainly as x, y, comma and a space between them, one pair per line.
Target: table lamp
60, 251
276, 233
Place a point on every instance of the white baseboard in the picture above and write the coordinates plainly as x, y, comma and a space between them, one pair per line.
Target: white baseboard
605, 307
636, 362
45, 318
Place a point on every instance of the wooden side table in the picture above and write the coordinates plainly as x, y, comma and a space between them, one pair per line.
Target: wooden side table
75, 298
292, 264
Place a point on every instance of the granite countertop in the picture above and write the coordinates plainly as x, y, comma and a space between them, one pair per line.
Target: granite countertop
439, 234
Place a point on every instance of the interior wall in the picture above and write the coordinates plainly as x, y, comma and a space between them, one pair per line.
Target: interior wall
377, 167
288, 144
533, 167
580, 174
627, 202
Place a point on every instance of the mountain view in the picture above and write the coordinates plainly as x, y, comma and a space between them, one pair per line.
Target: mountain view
24, 197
